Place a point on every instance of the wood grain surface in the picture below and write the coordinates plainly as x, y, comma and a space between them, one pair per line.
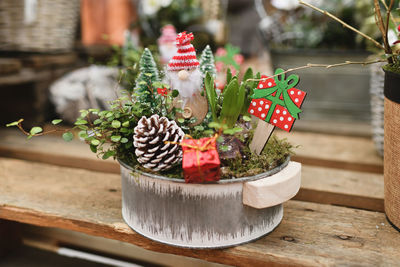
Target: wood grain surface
90, 202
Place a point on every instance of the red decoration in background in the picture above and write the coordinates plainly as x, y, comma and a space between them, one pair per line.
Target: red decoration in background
200, 160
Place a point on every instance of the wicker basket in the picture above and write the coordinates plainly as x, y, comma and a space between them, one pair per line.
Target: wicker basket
38, 25
392, 148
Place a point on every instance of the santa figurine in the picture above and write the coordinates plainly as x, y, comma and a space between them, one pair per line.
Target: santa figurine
166, 43
183, 74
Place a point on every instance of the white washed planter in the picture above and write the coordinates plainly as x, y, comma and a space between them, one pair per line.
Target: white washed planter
222, 214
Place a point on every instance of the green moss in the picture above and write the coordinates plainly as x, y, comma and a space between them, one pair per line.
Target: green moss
274, 154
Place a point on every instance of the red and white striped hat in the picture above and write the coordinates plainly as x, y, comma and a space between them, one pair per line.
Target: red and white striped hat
185, 58
168, 34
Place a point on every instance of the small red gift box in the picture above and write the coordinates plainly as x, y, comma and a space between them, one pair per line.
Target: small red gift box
200, 160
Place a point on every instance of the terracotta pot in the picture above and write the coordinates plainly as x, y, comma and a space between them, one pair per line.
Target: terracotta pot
105, 18
222, 214
392, 147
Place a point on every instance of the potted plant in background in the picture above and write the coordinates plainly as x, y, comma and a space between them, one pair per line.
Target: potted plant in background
190, 179
391, 54
297, 35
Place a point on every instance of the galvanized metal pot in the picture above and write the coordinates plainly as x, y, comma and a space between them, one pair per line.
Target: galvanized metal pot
200, 215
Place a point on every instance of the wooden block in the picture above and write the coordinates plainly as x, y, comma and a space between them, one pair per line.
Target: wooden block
261, 136
275, 189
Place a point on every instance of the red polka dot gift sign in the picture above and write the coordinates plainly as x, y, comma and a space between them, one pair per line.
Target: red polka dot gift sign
275, 102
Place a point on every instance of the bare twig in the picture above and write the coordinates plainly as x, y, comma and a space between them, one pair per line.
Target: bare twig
390, 13
343, 23
381, 26
21, 128
327, 66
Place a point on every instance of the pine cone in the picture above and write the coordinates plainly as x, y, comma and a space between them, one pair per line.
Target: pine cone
149, 140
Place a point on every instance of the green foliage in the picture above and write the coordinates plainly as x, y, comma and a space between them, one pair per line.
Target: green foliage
57, 121
35, 130
148, 75
207, 62
211, 95
235, 100
250, 82
68, 136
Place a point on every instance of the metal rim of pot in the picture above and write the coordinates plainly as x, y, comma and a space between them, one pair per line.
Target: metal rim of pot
224, 181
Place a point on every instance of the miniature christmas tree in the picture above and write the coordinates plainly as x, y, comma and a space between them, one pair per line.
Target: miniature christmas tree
207, 62
148, 75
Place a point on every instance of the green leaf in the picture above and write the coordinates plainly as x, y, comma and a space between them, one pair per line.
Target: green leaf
55, 122
95, 142
229, 105
208, 132
94, 110
214, 125
83, 134
29, 137
82, 127
84, 113
199, 128
228, 76
248, 75
175, 93
103, 113
125, 124
108, 154
220, 139
35, 130
115, 138
68, 136
93, 148
81, 122
116, 124
124, 140
157, 85
181, 120
246, 118
224, 148
15, 123
232, 131
97, 121
211, 95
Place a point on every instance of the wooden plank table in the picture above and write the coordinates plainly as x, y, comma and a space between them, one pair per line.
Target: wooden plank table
68, 188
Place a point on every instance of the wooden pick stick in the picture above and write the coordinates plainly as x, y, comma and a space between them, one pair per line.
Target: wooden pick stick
261, 135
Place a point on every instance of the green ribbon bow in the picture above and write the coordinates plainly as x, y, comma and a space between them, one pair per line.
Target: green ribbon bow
282, 87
